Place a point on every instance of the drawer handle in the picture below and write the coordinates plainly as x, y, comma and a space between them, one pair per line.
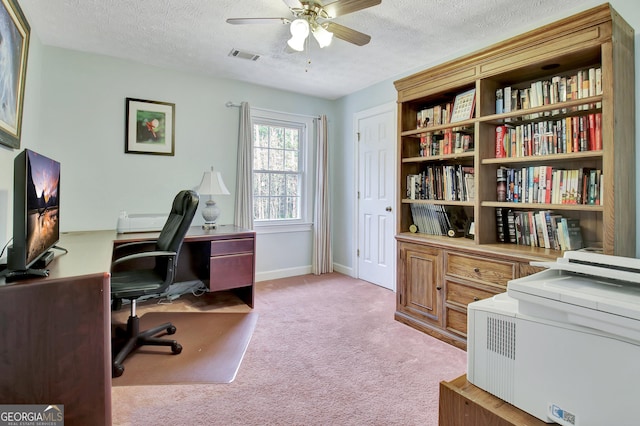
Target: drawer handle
476, 298
476, 270
438, 288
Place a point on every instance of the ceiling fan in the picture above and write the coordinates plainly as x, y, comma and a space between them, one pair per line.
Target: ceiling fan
312, 16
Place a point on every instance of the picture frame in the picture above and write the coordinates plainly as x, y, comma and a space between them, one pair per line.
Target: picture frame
150, 127
463, 106
14, 49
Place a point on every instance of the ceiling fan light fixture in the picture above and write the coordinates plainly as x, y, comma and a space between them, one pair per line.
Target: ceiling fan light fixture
322, 36
299, 32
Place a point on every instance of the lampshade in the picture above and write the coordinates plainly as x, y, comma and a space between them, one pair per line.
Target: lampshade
212, 184
322, 36
299, 32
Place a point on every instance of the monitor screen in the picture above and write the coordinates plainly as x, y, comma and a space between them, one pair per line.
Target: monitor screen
36, 198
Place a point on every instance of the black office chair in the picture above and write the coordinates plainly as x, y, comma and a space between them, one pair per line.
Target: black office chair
133, 282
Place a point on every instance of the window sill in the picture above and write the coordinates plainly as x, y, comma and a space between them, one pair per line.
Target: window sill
271, 228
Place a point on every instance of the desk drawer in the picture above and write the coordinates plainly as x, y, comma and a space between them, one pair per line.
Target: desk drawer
231, 271
236, 245
491, 271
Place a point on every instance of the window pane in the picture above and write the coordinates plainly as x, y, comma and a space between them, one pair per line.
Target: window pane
293, 205
261, 184
276, 159
291, 161
261, 159
293, 185
276, 208
277, 186
261, 208
291, 139
261, 135
277, 137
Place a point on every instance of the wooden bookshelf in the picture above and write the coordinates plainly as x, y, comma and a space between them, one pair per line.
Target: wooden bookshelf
429, 282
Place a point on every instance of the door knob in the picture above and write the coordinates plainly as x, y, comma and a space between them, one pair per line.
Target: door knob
388, 208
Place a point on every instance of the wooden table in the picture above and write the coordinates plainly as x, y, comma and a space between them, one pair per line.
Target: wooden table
463, 404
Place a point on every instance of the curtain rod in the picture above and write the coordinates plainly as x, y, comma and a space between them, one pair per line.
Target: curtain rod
230, 104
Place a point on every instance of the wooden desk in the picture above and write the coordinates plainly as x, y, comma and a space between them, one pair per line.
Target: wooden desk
55, 332
222, 258
463, 404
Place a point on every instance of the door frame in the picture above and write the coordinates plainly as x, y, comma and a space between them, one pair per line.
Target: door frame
393, 108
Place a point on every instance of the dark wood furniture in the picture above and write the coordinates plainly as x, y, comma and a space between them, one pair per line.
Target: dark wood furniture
222, 258
55, 332
462, 403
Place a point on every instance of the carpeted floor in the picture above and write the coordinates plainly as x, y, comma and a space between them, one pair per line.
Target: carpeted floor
326, 350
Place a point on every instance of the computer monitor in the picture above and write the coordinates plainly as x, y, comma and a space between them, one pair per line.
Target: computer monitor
36, 207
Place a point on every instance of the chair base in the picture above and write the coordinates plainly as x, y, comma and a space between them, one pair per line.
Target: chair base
135, 339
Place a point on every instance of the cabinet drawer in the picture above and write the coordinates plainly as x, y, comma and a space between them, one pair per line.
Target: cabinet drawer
492, 271
463, 294
231, 271
237, 245
456, 322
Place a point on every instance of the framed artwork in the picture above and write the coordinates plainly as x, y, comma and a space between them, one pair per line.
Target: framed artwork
149, 127
463, 106
14, 50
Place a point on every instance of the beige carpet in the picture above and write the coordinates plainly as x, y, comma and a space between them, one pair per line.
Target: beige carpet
213, 347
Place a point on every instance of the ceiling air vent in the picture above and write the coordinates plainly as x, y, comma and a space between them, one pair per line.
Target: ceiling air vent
243, 55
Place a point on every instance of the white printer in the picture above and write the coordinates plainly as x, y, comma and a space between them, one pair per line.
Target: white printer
563, 344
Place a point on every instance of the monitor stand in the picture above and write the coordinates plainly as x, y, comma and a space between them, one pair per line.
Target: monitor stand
11, 276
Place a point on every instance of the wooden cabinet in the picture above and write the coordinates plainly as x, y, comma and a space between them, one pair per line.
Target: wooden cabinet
420, 275
461, 269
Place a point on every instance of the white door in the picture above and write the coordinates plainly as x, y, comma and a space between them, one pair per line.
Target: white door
376, 253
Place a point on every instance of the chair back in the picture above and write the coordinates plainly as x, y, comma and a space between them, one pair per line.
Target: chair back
175, 228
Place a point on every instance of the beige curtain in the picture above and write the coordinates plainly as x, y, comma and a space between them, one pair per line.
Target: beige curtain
244, 181
322, 255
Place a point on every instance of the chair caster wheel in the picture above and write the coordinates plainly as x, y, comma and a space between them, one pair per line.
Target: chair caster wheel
171, 330
117, 370
176, 348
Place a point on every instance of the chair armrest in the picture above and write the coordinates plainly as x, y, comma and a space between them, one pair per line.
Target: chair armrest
134, 244
143, 255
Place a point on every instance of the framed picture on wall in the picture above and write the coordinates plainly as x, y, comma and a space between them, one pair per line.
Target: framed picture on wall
149, 127
14, 50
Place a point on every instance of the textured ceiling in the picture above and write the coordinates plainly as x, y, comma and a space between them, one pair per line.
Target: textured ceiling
192, 35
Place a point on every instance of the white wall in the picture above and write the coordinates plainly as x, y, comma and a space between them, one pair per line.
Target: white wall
75, 113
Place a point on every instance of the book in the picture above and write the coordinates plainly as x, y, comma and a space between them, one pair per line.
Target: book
464, 106
574, 234
499, 102
501, 184
501, 132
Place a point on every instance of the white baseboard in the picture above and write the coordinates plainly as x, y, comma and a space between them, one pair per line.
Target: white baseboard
283, 273
343, 269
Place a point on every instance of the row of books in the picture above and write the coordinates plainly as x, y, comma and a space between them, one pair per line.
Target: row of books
570, 134
435, 219
460, 109
545, 184
541, 228
446, 182
583, 84
446, 142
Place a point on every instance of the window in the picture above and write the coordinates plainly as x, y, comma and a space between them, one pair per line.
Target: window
281, 180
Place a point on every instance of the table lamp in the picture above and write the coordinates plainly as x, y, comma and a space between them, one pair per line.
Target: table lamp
212, 184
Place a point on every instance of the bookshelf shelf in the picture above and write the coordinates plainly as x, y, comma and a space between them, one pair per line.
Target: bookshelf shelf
571, 109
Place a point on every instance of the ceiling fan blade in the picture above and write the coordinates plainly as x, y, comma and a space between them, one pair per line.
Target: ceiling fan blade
293, 4
242, 21
348, 34
342, 7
